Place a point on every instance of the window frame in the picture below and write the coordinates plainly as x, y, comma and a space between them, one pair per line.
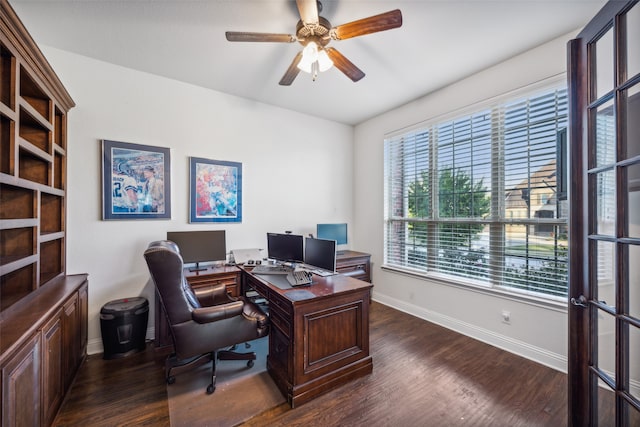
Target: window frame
497, 189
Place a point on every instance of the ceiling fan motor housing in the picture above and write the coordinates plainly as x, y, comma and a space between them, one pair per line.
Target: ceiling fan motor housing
319, 33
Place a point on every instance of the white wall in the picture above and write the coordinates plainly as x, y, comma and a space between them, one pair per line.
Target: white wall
538, 332
297, 169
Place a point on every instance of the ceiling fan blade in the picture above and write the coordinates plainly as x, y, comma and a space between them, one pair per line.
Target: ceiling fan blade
308, 11
372, 24
344, 65
240, 36
292, 71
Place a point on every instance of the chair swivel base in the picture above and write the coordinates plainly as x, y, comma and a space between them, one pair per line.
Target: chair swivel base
229, 355
172, 362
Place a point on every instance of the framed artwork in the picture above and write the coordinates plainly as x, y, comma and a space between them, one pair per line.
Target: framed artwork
136, 181
215, 190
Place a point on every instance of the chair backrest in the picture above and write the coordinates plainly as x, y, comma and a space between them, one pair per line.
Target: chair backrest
166, 269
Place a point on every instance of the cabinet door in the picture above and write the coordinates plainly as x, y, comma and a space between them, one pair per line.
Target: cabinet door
52, 368
70, 339
21, 378
83, 301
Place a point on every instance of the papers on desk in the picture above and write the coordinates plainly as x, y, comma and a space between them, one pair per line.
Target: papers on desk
323, 273
317, 271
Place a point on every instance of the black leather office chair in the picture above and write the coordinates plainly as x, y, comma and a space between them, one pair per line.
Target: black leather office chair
203, 322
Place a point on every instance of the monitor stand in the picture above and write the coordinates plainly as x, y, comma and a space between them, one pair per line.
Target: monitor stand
198, 268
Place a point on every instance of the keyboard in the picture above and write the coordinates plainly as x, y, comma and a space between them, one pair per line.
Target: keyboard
271, 269
299, 278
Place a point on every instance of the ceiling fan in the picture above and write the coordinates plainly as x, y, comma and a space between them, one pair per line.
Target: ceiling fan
314, 33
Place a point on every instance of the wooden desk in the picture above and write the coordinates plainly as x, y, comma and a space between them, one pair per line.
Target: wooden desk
213, 275
354, 264
319, 337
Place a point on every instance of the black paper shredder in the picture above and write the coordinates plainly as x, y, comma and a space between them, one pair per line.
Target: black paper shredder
123, 324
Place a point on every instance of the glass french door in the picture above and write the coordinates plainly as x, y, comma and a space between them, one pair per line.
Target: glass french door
604, 274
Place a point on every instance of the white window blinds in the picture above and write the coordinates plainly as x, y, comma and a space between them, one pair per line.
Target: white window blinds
474, 199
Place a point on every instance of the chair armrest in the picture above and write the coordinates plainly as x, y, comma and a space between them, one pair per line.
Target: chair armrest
251, 311
212, 295
217, 312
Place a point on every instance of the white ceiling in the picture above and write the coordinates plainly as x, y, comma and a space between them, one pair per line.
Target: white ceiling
439, 43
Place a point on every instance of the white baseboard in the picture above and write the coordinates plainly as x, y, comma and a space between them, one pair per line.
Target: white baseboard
520, 348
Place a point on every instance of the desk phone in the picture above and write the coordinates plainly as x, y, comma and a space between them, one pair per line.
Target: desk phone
299, 278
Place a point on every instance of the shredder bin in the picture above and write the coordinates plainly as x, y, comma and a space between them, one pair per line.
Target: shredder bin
123, 324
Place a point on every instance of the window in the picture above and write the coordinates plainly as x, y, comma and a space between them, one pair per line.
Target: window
473, 199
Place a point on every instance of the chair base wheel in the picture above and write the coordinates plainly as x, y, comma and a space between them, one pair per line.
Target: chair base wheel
171, 379
250, 364
210, 389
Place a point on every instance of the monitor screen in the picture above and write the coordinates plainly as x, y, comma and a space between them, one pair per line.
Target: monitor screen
337, 232
285, 247
320, 253
200, 246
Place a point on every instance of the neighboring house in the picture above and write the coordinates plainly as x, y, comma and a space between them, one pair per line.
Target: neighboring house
535, 198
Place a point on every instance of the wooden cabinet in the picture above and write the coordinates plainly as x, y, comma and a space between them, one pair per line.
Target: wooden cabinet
70, 339
354, 264
33, 109
42, 346
52, 356
228, 275
83, 313
43, 312
21, 379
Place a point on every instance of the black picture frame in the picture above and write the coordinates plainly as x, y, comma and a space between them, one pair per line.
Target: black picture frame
215, 193
136, 181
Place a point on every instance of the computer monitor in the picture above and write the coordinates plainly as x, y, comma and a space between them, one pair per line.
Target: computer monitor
320, 253
285, 247
200, 246
337, 232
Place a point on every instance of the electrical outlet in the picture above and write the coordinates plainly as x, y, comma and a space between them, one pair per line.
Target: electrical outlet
506, 317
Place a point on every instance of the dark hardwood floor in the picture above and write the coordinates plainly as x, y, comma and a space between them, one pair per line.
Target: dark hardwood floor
423, 375
121, 392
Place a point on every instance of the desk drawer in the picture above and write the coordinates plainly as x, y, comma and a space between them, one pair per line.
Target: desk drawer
355, 264
227, 279
231, 282
279, 357
279, 321
277, 302
358, 271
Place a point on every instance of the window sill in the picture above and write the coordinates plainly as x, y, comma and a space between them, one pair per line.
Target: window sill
553, 303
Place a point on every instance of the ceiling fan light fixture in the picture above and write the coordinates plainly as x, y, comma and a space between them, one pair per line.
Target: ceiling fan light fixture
324, 62
309, 56
314, 60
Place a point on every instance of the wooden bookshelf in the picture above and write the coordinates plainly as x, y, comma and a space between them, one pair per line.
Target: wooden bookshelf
33, 114
43, 311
